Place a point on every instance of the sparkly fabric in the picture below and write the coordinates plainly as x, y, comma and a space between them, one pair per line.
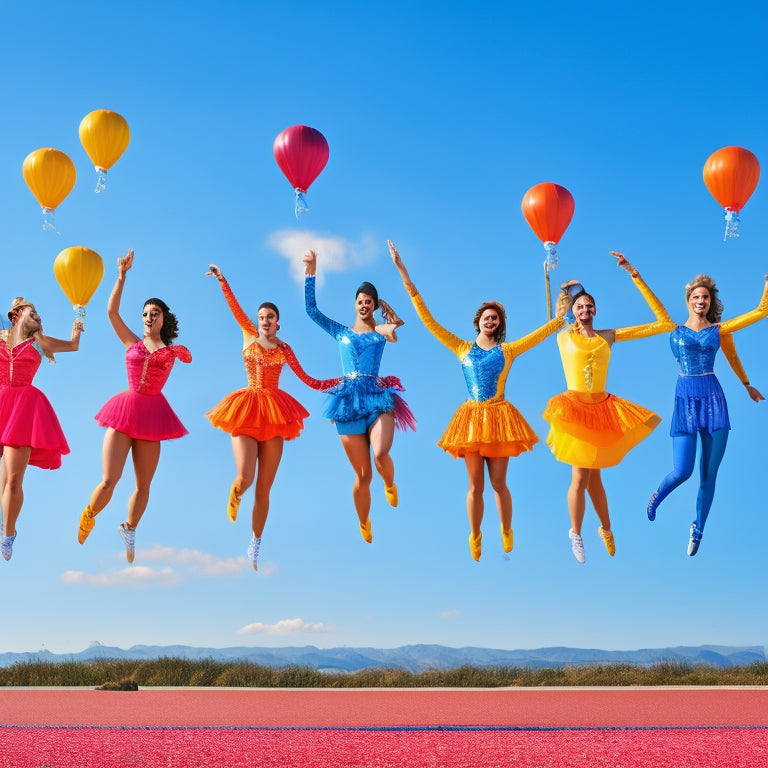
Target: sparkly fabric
362, 393
699, 398
26, 416
142, 412
262, 410
486, 423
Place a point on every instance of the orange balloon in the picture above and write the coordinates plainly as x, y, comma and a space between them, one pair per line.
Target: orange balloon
731, 175
548, 209
78, 271
50, 175
104, 135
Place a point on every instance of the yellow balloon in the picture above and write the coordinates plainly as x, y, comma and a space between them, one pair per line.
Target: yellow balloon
104, 135
50, 175
78, 271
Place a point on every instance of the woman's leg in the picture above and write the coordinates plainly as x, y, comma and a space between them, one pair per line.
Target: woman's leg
712, 452
476, 476
577, 501
599, 500
16, 461
497, 474
114, 452
358, 452
683, 461
246, 453
381, 435
146, 455
270, 453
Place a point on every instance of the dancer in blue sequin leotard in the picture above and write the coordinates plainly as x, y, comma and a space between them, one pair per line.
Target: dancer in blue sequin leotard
365, 406
700, 410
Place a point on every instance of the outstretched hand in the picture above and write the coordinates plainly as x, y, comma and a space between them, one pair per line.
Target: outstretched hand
214, 271
398, 262
310, 262
754, 393
124, 263
623, 262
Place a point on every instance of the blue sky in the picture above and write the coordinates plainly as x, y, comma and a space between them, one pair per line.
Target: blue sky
439, 117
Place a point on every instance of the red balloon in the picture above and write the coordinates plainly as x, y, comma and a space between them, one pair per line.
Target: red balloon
731, 175
301, 152
548, 209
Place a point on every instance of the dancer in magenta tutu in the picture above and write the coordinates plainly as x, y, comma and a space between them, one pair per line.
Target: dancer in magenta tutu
139, 418
30, 433
260, 417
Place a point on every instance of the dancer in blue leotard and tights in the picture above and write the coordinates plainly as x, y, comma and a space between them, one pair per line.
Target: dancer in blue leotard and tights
700, 409
365, 407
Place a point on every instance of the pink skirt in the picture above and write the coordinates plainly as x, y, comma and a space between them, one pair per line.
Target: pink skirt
141, 417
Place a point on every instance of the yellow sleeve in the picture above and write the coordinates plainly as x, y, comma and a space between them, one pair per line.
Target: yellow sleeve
525, 343
662, 324
742, 321
729, 350
454, 343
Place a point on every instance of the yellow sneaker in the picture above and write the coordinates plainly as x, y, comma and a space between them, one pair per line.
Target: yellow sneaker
87, 524
507, 538
234, 502
365, 530
476, 545
607, 537
390, 491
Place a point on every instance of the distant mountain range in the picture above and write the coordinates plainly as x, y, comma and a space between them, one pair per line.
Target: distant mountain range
413, 658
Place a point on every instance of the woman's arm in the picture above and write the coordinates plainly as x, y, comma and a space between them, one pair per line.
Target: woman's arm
530, 340
310, 303
124, 333
391, 322
742, 321
245, 322
729, 350
51, 345
310, 381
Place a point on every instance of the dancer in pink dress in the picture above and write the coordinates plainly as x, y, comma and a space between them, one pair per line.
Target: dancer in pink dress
139, 418
30, 433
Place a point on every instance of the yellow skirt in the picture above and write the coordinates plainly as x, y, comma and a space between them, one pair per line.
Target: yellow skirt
595, 430
492, 428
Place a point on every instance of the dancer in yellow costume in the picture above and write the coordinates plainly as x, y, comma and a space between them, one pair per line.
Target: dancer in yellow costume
590, 428
486, 430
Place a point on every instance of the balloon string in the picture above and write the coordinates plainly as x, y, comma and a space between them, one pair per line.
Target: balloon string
301, 203
552, 258
79, 312
48, 221
101, 179
731, 224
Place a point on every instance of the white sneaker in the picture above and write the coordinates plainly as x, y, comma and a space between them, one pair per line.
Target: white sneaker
577, 546
129, 539
7, 546
253, 551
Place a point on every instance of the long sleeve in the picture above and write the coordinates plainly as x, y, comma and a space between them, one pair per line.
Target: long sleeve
181, 353
245, 322
663, 323
295, 366
530, 340
729, 350
458, 346
328, 325
742, 321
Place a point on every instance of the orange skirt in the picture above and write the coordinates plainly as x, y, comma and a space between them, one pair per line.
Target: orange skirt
492, 428
595, 430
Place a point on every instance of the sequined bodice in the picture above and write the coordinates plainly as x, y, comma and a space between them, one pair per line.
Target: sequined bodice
361, 352
148, 371
263, 366
482, 368
695, 350
585, 361
19, 365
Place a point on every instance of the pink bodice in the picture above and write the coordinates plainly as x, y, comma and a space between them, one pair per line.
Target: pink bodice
19, 365
148, 371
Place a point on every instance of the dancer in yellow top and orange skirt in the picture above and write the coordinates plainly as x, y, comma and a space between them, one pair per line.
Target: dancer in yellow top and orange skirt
590, 428
486, 430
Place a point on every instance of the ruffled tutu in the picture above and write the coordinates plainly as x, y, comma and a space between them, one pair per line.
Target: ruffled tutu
491, 428
595, 431
699, 404
259, 413
28, 419
141, 417
358, 397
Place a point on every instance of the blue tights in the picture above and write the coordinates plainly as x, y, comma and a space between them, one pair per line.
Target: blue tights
684, 458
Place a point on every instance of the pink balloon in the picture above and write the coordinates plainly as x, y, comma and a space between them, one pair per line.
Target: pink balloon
301, 153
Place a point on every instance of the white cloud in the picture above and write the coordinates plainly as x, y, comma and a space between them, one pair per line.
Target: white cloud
452, 614
334, 254
136, 576
283, 627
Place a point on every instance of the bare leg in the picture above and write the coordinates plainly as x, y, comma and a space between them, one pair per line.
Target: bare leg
358, 452
270, 453
577, 497
497, 473
146, 455
381, 435
599, 499
16, 461
476, 477
114, 452
246, 453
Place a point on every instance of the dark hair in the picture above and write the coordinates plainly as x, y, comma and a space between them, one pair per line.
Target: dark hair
501, 331
369, 290
715, 312
170, 329
270, 305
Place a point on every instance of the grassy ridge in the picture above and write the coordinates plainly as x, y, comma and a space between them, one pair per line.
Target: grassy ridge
181, 672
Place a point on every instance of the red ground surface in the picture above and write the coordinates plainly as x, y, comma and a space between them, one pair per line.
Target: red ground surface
434, 728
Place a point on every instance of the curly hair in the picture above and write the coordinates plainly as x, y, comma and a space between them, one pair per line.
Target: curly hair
501, 331
170, 329
715, 312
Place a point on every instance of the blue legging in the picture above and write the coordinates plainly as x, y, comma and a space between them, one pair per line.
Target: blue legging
684, 458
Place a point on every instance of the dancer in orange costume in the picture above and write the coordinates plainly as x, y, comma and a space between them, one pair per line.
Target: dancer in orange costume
260, 416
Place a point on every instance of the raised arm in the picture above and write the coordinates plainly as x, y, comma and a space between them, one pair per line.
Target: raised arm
530, 340
245, 322
742, 321
310, 303
51, 345
728, 346
310, 381
663, 322
124, 333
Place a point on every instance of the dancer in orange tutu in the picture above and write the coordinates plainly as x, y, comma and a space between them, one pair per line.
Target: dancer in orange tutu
30, 433
590, 428
138, 419
260, 416
486, 430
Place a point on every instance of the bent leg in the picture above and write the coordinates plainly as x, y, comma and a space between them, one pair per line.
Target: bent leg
683, 461
599, 500
146, 455
712, 452
358, 452
114, 452
382, 434
270, 453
